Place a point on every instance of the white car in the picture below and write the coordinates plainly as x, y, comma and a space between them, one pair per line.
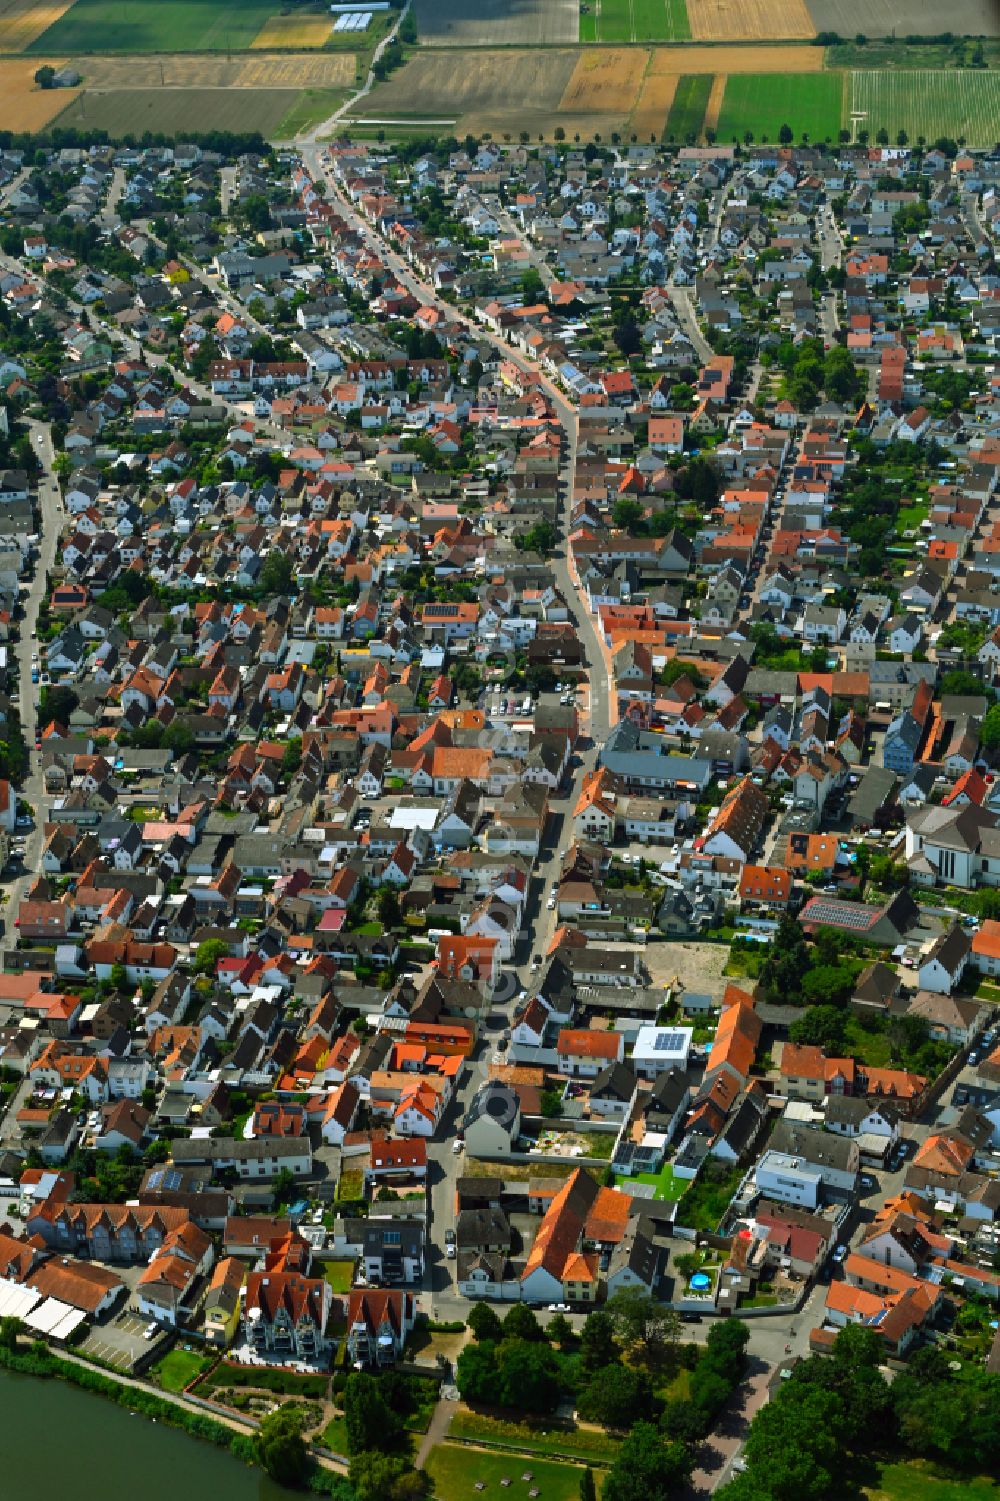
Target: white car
457, 1147
551, 903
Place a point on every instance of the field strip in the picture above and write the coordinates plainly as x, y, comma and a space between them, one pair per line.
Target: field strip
749, 20
749, 59
23, 21
930, 103
653, 105
214, 71
714, 104
294, 31
606, 82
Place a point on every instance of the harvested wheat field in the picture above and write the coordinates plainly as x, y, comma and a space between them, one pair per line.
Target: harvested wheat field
607, 81
749, 20
653, 105
21, 21
294, 31
737, 60
213, 71
23, 105
435, 85
714, 104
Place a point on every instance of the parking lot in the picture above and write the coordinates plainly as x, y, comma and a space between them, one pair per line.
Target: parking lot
121, 1342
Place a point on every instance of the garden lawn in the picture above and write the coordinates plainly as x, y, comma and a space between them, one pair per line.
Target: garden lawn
668, 1185
871, 1048
334, 1435
178, 1368
917, 1481
809, 103
455, 1470
707, 1200
339, 1274
908, 518
582, 1443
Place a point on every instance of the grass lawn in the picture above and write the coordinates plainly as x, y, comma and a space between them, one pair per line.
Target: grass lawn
339, 1274
668, 1185
351, 1184
809, 103
918, 1481
871, 1048
581, 1443
455, 1470
334, 1435
678, 1388
170, 26
910, 517
179, 1367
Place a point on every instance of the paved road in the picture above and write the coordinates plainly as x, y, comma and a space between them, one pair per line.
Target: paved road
52, 513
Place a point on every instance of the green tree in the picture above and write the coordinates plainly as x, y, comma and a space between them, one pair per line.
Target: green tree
277, 572
588, 1491
291, 758
617, 1397
647, 1468
560, 1332
597, 1341
45, 77
370, 1422
529, 1375
627, 514
375, 1476
521, 1323
786, 135
639, 1319
284, 1189
476, 1373
208, 954
280, 1448
989, 730
484, 1322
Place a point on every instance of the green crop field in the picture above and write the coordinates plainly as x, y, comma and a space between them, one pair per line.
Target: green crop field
154, 26
167, 111
763, 102
635, 21
929, 104
687, 112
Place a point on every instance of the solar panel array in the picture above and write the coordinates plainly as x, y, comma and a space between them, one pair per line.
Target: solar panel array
670, 1042
843, 914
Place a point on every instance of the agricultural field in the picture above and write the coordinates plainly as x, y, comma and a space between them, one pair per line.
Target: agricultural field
749, 59
498, 23
811, 103
167, 111
429, 87
941, 103
290, 70
296, 30
21, 21
750, 20
24, 106
687, 113
163, 26
634, 21
312, 107
653, 105
605, 81
905, 17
